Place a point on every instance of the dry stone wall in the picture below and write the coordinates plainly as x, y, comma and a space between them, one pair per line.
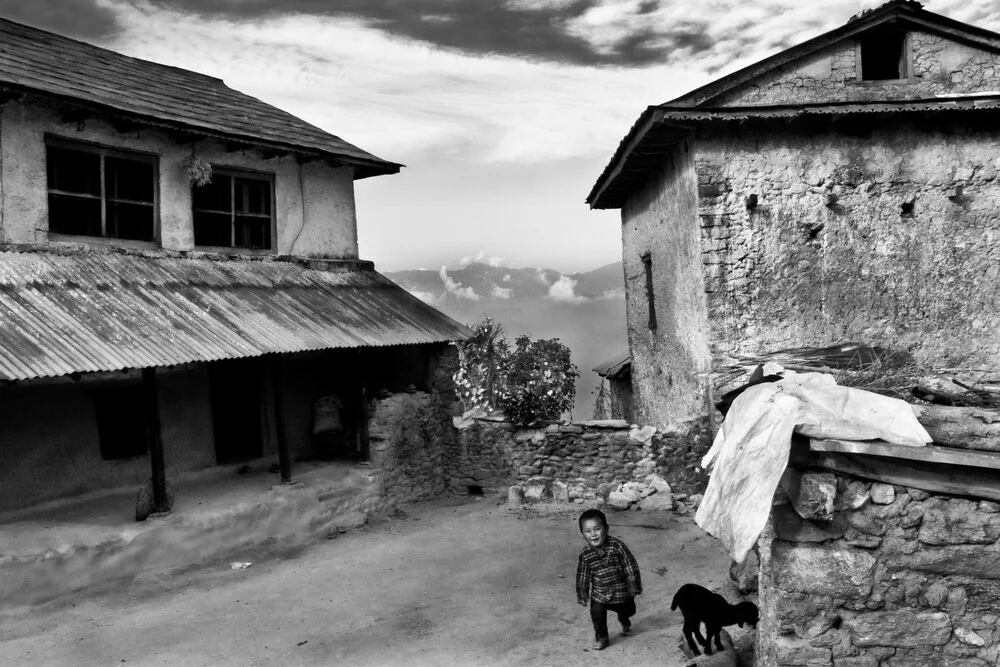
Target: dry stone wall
897, 577
584, 456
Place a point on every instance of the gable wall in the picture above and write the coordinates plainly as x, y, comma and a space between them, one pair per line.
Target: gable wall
313, 202
940, 66
796, 271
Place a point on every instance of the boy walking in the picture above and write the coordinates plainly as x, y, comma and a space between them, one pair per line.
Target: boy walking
607, 575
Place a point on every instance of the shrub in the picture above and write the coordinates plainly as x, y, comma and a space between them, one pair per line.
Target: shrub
540, 381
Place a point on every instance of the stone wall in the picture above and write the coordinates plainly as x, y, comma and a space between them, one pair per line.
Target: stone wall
880, 231
493, 454
898, 577
938, 66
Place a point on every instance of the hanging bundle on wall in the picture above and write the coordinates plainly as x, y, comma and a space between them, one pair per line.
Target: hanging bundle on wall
199, 172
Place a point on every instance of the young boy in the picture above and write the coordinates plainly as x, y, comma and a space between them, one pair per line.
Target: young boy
607, 575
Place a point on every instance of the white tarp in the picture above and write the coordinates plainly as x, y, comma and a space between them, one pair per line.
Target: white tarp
751, 450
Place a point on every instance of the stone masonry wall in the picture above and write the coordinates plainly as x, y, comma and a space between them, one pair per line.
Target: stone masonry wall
939, 66
899, 577
494, 454
882, 231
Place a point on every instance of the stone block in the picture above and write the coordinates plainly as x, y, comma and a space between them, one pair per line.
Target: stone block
957, 522
935, 595
658, 501
812, 494
882, 494
560, 492
867, 523
797, 652
823, 570
854, 496
619, 500
536, 490
858, 661
658, 483
746, 574
900, 628
969, 637
917, 494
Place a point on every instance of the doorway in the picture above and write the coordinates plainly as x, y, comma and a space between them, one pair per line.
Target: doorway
235, 387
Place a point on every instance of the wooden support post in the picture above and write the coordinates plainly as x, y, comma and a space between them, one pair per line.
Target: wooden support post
364, 453
284, 457
155, 440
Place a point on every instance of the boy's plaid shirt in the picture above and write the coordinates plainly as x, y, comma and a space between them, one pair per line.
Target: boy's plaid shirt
608, 575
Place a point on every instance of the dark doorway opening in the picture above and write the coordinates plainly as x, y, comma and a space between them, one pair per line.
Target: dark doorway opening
236, 410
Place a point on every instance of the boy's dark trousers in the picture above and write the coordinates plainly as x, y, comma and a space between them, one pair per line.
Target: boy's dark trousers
599, 615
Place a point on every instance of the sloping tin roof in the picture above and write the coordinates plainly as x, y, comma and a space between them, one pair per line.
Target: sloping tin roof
43, 62
62, 314
618, 366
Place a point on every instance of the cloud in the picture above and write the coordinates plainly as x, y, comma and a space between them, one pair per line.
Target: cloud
427, 297
455, 289
501, 292
87, 20
562, 290
481, 256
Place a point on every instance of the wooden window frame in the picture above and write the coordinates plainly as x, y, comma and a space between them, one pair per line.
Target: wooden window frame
234, 174
905, 65
104, 151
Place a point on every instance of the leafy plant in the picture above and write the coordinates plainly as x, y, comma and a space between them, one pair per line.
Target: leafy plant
198, 171
540, 381
481, 376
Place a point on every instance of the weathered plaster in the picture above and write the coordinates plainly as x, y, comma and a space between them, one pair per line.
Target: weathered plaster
939, 66
802, 269
314, 202
660, 220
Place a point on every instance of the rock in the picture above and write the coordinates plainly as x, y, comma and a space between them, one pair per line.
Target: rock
853, 497
812, 494
866, 523
797, 652
657, 501
899, 628
696, 499
560, 492
969, 560
790, 527
606, 488
882, 494
746, 574
969, 637
643, 435
537, 489
989, 507
918, 494
658, 483
144, 505
515, 496
935, 595
619, 500
957, 522
847, 573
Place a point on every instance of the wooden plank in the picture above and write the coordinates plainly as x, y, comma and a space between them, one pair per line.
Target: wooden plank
930, 453
927, 475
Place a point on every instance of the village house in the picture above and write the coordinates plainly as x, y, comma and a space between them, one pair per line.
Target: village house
844, 189
180, 286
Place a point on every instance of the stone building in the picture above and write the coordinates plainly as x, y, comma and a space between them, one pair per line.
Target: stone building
844, 189
154, 322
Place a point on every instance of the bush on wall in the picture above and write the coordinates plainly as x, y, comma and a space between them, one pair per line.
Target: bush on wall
533, 381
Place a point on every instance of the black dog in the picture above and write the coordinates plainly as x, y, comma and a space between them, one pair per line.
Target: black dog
700, 605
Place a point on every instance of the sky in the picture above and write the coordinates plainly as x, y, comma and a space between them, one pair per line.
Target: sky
504, 112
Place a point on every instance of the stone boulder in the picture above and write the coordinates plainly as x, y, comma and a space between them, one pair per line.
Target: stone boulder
619, 500
537, 489
515, 496
658, 501
746, 574
658, 483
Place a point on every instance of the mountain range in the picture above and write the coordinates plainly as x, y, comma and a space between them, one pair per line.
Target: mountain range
585, 311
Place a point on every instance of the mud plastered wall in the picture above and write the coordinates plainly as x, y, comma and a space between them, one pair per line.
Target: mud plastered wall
885, 232
937, 66
899, 577
660, 222
494, 454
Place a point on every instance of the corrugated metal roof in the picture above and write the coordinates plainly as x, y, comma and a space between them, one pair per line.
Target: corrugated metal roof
79, 313
40, 61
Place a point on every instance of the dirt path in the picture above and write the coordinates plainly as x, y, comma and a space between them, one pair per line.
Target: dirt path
470, 583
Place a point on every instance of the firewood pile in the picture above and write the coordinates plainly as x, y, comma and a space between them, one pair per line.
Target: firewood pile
873, 368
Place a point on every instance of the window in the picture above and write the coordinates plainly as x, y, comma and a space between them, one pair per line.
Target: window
647, 262
101, 192
121, 423
234, 211
883, 55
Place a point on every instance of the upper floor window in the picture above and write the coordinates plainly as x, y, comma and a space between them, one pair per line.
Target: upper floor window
234, 211
647, 265
883, 54
101, 192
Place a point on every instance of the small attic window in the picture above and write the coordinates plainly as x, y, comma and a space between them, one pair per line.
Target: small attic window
883, 55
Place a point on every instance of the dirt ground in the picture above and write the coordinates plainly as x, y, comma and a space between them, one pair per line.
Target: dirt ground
459, 581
